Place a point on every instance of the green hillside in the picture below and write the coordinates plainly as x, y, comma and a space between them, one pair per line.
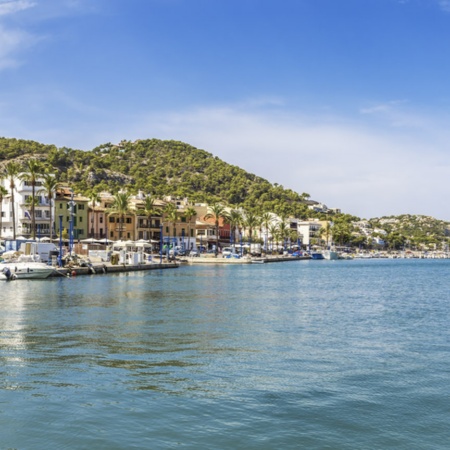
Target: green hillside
161, 168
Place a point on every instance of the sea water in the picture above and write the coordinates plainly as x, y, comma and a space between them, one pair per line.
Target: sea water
299, 355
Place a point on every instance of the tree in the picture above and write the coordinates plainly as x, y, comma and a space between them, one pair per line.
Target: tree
217, 212
34, 169
12, 172
94, 198
171, 214
49, 187
326, 231
234, 218
266, 220
190, 213
3, 193
251, 222
121, 207
148, 210
274, 234
283, 229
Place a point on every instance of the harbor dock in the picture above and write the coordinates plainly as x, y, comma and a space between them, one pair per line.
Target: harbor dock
107, 267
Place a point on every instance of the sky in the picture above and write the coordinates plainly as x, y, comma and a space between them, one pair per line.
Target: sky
346, 100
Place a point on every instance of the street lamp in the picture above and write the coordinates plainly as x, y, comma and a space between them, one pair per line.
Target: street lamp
60, 241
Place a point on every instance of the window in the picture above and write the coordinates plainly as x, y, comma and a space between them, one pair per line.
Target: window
80, 207
60, 206
183, 219
81, 219
112, 220
101, 219
128, 220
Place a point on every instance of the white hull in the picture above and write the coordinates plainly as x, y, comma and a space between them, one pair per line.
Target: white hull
330, 255
25, 271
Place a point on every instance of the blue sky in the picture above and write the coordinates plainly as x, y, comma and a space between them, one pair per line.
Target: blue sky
347, 100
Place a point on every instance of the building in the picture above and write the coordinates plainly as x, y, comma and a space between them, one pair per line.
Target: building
71, 213
22, 210
309, 231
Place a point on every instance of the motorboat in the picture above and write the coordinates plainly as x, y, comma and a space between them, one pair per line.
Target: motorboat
25, 268
330, 254
258, 261
317, 255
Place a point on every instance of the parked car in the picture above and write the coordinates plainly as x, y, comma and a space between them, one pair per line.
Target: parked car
227, 251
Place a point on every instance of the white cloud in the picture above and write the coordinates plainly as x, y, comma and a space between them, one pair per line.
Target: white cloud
13, 6
365, 169
11, 43
362, 165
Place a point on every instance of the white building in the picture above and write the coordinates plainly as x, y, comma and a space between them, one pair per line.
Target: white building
309, 230
22, 209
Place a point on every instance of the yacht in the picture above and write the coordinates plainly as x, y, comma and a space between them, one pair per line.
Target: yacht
25, 267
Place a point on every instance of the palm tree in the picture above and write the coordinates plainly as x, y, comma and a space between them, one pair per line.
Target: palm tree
283, 229
49, 187
34, 169
3, 193
326, 231
266, 220
190, 213
171, 214
149, 210
94, 198
217, 212
251, 221
234, 219
274, 233
12, 172
121, 207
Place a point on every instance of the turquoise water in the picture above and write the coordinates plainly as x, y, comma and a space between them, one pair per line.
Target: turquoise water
306, 354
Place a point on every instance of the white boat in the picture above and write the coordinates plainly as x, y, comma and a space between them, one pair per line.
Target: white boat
25, 268
258, 261
330, 254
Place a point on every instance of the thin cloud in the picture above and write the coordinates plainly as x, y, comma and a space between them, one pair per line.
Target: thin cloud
359, 166
364, 168
13, 6
445, 5
11, 43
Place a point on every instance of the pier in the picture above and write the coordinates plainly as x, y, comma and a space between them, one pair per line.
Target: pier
106, 268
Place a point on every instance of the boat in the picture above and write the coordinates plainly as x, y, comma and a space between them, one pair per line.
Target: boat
258, 261
25, 268
330, 254
316, 255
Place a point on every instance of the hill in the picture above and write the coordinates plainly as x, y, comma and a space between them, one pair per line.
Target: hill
160, 168
178, 169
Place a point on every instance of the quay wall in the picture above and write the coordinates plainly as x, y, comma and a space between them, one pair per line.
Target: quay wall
105, 268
